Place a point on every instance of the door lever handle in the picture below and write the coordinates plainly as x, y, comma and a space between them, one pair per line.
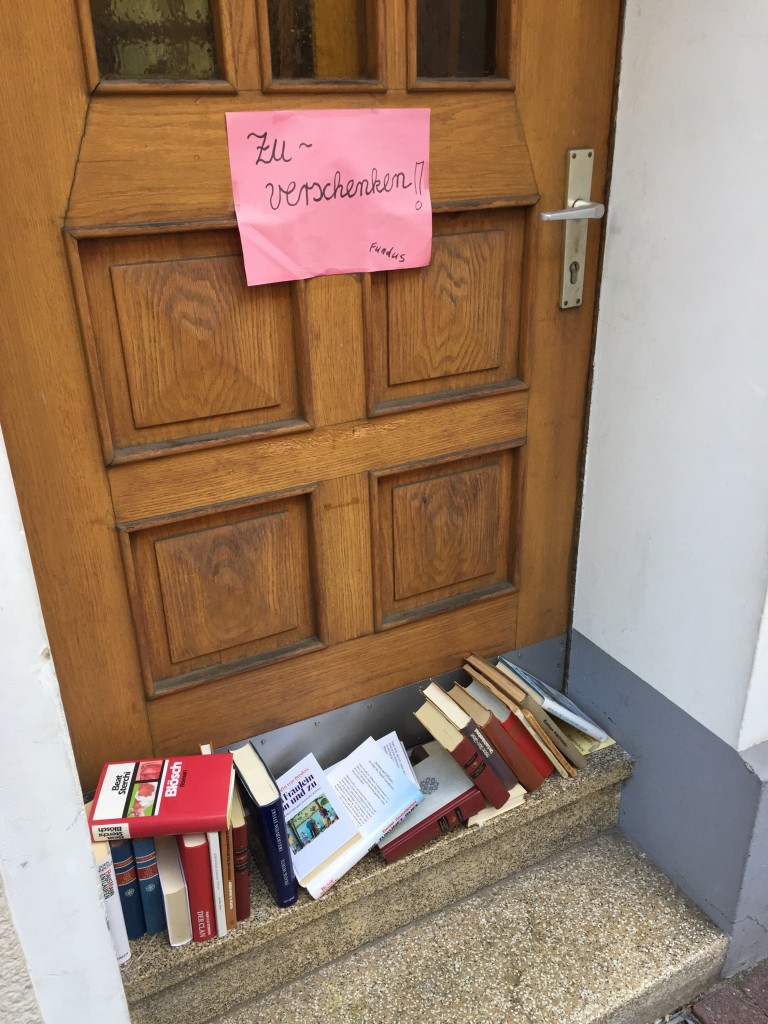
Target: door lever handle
580, 210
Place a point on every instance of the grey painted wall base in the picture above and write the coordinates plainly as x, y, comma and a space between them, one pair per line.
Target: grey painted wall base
696, 806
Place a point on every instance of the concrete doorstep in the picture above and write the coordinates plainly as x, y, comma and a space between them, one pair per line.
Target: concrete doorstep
595, 935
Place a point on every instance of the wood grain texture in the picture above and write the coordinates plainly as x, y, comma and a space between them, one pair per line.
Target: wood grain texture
453, 327
45, 404
215, 591
196, 342
446, 319
275, 695
199, 480
179, 348
565, 93
166, 161
342, 536
443, 534
223, 586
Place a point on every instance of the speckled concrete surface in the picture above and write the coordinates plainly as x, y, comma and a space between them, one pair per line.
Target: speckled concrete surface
188, 985
595, 935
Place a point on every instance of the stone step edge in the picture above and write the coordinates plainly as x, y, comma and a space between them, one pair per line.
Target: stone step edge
155, 965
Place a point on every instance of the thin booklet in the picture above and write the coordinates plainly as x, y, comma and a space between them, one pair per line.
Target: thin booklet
334, 818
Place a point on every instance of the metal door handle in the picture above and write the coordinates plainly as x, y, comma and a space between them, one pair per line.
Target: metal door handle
580, 210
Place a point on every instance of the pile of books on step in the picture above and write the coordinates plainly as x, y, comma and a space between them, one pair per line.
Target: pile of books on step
172, 836
170, 841
508, 731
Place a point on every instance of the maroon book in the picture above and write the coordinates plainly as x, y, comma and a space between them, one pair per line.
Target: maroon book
196, 865
513, 727
529, 775
240, 849
464, 753
450, 799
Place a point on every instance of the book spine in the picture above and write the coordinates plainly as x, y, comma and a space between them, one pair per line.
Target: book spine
128, 887
228, 872
114, 910
242, 873
149, 885
528, 775
476, 769
443, 821
557, 737
217, 883
196, 865
274, 837
520, 735
490, 755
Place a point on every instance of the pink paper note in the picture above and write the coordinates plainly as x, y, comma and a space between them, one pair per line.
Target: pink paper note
330, 191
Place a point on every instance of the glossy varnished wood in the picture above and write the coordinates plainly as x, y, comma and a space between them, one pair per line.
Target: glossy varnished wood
188, 176
46, 410
315, 491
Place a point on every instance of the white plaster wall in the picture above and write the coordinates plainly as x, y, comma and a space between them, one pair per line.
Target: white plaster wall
673, 552
46, 864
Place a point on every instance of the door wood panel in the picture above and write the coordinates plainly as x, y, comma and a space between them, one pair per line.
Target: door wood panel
248, 506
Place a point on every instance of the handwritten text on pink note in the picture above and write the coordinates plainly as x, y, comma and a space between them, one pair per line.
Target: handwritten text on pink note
330, 191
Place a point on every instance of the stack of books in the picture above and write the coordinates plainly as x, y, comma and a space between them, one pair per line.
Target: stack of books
170, 842
172, 836
507, 732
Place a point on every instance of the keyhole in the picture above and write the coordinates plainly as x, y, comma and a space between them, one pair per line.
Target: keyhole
574, 268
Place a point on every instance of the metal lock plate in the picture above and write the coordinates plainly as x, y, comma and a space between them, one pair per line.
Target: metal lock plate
580, 164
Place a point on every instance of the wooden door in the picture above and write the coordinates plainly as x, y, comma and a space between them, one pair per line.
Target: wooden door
248, 506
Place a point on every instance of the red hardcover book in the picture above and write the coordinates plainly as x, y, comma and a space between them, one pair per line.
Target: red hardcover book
529, 775
196, 865
450, 799
468, 727
240, 847
464, 754
162, 797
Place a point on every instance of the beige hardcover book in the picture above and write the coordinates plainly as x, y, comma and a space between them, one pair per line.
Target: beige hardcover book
585, 744
506, 680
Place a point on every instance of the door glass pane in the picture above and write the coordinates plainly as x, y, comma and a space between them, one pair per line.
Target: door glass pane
327, 40
456, 38
151, 39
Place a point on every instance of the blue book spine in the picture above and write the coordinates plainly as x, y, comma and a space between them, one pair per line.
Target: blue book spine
149, 885
274, 838
128, 887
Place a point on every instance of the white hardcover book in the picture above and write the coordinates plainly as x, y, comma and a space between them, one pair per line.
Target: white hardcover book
552, 701
174, 890
115, 920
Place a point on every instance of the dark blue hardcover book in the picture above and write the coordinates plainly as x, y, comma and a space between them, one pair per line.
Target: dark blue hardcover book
149, 885
263, 800
128, 887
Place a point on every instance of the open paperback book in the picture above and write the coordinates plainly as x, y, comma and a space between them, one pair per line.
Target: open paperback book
333, 818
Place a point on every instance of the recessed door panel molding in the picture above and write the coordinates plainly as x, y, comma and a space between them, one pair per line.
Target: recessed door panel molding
450, 330
215, 594
444, 534
181, 352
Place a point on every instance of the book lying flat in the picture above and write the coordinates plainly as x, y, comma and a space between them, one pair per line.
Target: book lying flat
366, 793
162, 797
450, 799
